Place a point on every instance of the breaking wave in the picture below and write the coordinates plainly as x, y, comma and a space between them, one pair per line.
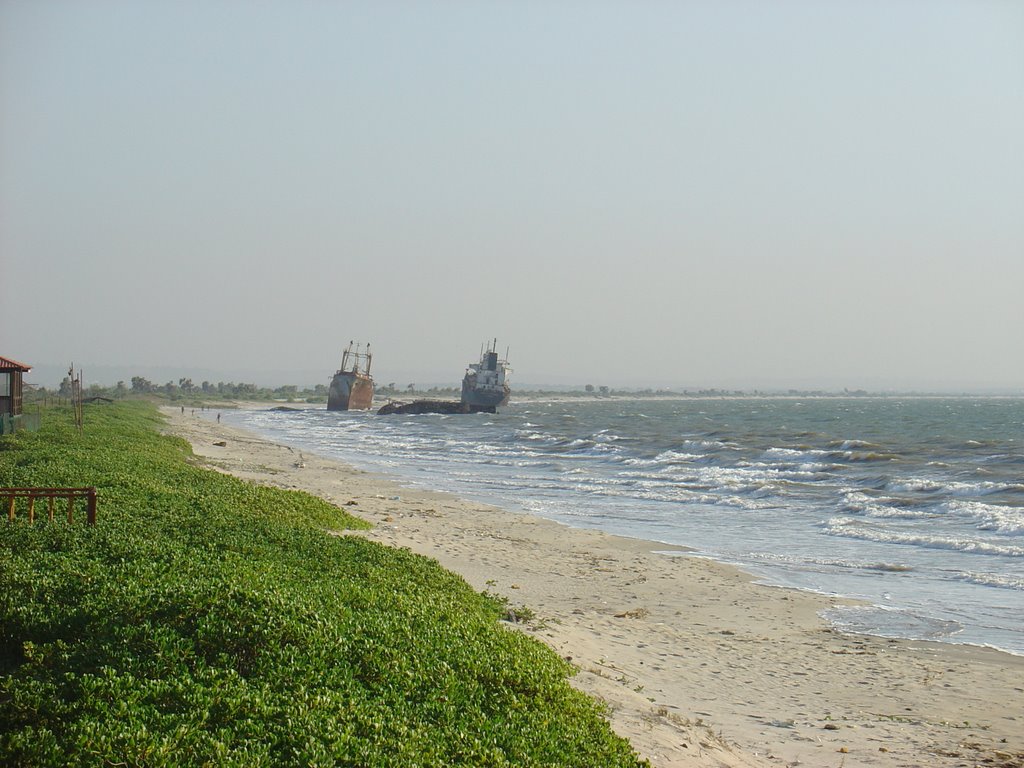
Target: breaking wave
849, 528
998, 580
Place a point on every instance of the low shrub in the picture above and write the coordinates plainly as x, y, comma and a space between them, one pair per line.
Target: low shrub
210, 621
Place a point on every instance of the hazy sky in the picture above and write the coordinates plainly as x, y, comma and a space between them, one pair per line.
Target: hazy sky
714, 193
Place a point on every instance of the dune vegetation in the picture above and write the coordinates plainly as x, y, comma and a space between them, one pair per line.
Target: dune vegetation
210, 621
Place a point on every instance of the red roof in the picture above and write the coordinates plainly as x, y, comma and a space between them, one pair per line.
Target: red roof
7, 364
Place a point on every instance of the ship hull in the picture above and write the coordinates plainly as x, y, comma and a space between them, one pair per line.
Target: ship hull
484, 384
491, 397
350, 392
433, 406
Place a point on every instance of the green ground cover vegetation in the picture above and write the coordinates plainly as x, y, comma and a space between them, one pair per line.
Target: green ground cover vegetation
210, 621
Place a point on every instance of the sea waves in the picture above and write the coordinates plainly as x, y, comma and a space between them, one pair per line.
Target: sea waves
903, 503
854, 529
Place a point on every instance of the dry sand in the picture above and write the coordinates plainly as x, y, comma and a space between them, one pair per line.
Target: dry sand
700, 666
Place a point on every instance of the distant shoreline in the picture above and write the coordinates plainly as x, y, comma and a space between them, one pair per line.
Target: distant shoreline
554, 397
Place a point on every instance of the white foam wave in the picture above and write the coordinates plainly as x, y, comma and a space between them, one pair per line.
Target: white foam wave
705, 444
673, 457
860, 503
999, 580
951, 487
794, 453
665, 462
743, 502
607, 436
756, 480
866, 456
849, 445
523, 434
809, 471
991, 517
849, 528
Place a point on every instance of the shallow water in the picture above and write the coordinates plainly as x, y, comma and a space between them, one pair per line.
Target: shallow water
914, 505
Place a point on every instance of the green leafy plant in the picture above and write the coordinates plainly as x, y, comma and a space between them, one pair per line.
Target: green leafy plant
207, 620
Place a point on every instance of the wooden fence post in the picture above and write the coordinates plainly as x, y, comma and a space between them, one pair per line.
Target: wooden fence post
51, 495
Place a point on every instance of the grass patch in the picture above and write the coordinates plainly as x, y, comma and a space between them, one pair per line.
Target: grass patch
211, 621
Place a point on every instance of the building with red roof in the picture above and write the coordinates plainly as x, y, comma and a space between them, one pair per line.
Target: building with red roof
11, 372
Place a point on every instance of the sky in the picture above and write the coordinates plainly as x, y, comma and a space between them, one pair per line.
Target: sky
737, 194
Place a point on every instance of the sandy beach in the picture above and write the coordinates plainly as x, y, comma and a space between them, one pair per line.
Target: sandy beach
699, 665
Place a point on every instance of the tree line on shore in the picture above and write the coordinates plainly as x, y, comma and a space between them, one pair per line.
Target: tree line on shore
186, 389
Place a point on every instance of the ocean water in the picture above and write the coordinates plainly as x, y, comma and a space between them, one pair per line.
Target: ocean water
915, 506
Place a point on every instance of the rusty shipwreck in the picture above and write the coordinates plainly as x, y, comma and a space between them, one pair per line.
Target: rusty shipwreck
352, 386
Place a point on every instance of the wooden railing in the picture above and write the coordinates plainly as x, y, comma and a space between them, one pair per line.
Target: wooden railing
51, 494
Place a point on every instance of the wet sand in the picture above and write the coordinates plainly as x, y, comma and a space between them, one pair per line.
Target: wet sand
699, 665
